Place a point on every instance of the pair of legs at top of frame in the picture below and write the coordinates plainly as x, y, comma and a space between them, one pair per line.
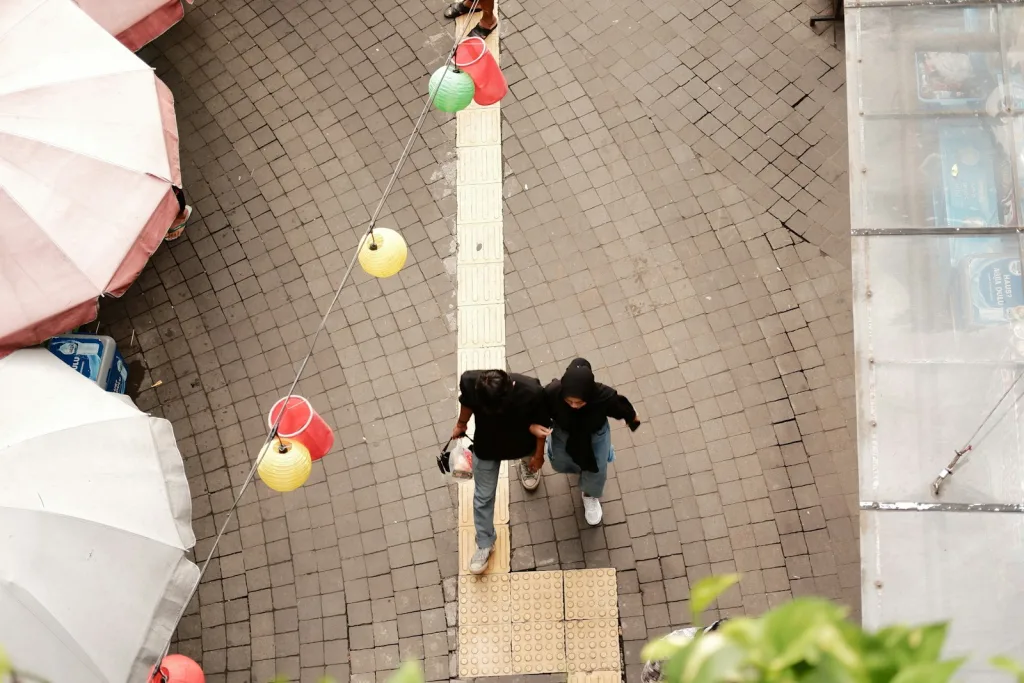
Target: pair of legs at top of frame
488, 21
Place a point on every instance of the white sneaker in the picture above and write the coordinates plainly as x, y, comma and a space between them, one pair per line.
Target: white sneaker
478, 563
527, 477
592, 510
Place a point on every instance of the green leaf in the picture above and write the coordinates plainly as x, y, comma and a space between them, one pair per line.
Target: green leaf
5, 664
409, 672
801, 632
660, 650
927, 642
932, 672
707, 590
794, 620
710, 658
830, 670
1000, 662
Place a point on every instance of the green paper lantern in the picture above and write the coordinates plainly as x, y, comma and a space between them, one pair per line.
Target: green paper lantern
455, 92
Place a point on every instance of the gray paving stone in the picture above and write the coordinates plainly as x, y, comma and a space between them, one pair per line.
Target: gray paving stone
675, 211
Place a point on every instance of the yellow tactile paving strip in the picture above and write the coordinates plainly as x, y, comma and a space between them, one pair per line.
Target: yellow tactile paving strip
499, 563
529, 622
591, 594
545, 636
595, 677
538, 647
592, 645
466, 503
537, 596
485, 600
490, 648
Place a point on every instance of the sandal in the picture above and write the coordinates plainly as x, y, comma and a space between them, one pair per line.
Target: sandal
457, 9
481, 32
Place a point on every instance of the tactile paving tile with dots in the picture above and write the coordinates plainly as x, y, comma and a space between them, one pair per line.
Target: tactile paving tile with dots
591, 594
485, 650
499, 562
538, 647
484, 600
592, 645
537, 596
466, 502
595, 677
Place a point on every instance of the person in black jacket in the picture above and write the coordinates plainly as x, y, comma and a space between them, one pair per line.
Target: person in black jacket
581, 440
511, 424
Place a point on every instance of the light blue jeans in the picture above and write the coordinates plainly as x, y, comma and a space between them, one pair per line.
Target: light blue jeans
591, 483
485, 488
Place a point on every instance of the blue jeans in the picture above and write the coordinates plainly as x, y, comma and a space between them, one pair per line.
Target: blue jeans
485, 488
591, 483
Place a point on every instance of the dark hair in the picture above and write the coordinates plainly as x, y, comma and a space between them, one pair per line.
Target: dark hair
492, 387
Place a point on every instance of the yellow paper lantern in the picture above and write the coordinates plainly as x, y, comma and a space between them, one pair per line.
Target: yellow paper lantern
383, 253
285, 465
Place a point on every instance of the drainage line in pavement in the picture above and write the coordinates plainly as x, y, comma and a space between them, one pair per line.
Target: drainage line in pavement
368, 234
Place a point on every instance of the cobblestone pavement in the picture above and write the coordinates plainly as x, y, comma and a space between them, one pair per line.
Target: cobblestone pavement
676, 212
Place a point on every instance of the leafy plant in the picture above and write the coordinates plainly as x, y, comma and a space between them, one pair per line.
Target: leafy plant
807, 640
408, 672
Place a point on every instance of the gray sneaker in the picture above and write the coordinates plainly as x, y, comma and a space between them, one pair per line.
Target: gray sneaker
478, 563
527, 477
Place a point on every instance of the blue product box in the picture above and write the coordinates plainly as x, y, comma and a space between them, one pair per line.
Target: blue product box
991, 288
93, 356
969, 196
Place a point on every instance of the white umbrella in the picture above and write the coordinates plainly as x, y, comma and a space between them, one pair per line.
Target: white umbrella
95, 522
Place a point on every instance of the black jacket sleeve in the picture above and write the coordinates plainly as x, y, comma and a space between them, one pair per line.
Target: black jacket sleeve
619, 408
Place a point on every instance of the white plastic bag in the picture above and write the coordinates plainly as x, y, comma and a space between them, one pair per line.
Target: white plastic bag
462, 463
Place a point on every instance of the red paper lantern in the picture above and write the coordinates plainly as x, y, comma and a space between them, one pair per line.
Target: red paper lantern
178, 669
303, 424
473, 57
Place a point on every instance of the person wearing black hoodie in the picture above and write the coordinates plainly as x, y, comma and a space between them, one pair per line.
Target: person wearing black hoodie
580, 441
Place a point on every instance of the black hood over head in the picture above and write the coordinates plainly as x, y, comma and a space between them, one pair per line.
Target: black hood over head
578, 380
601, 402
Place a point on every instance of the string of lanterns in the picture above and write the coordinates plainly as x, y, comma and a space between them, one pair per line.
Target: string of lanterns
474, 76
301, 436
470, 75
298, 435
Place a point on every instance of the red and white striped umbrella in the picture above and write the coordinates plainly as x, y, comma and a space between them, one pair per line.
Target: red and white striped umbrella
134, 22
88, 157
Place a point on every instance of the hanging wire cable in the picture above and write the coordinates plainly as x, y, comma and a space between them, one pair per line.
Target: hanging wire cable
367, 234
969, 445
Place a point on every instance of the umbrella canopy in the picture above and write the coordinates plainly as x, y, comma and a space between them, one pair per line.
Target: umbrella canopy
88, 155
134, 22
95, 520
